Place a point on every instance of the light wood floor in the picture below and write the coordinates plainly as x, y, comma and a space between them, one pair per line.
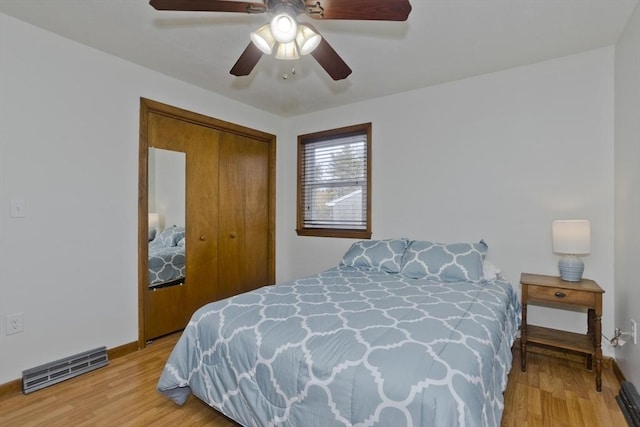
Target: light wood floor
554, 392
560, 393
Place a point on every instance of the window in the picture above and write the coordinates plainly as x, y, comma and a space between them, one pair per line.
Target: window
334, 183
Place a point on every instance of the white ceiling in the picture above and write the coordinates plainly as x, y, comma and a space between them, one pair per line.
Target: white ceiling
443, 40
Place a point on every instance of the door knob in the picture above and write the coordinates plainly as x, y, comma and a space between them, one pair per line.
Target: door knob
233, 235
202, 237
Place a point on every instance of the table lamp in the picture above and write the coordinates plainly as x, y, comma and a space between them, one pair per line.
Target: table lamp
154, 221
571, 238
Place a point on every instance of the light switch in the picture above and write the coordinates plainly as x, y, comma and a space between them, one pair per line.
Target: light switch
18, 208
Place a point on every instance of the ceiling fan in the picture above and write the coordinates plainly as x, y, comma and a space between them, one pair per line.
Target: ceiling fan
289, 39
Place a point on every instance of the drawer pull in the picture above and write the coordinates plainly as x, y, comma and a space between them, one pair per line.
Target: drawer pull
560, 294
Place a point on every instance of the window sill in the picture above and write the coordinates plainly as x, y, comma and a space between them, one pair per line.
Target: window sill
330, 232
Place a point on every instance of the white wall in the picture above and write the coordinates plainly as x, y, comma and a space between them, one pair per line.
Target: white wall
627, 192
69, 121
497, 156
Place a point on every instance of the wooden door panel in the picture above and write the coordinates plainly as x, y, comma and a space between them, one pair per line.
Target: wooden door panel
244, 214
256, 214
202, 218
165, 311
166, 133
231, 213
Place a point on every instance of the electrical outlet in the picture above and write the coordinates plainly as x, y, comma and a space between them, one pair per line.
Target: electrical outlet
15, 323
634, 331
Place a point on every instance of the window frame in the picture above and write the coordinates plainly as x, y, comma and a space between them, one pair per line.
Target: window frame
343, 132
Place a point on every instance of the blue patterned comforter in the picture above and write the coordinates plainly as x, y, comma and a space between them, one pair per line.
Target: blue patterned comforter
351, 347
166, 264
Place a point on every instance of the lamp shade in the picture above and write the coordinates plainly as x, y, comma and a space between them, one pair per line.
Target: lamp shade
287, 51
307, 39
263, 39
571, 237
154, 220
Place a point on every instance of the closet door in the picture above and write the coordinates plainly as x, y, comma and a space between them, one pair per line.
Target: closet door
202, 214
169, 309
244, 218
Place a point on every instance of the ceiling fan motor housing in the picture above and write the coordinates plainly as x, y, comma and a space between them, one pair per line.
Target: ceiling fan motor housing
295, 6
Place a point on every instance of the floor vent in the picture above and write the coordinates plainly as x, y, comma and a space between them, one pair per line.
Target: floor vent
54, 372
629, 402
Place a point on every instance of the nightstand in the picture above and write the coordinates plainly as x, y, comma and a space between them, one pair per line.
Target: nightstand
553, 291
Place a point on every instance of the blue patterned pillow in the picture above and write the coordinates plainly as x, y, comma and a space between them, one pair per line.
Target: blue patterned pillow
169, 237
385, 255
454, 262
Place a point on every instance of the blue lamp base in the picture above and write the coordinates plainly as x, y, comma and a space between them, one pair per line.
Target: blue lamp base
571, 268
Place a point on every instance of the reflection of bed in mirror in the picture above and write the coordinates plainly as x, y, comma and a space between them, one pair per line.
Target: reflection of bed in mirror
166, 257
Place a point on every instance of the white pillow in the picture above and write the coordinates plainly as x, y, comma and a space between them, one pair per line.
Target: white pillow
490, 271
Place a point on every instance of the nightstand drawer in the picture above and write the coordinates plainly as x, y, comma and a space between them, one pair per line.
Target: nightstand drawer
560, 295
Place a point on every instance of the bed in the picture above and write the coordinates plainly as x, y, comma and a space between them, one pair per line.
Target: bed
167, 257
400, 333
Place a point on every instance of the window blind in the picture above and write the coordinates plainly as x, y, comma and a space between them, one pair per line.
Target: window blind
334, 182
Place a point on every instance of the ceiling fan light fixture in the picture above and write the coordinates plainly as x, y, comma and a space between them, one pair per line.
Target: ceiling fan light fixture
307, 39
263, 39
284, 27
287, 51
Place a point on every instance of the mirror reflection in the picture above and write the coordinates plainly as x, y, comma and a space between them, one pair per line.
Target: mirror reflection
166, 218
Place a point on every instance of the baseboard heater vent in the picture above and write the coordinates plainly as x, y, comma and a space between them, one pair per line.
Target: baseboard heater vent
54, 372
629, 402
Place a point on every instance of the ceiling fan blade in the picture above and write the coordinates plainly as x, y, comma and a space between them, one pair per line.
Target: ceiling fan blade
208, 6
372, 10
329, 59
247, 61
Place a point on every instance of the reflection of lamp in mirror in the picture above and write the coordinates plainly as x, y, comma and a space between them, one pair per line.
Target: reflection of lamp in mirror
571, 238
154, 221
